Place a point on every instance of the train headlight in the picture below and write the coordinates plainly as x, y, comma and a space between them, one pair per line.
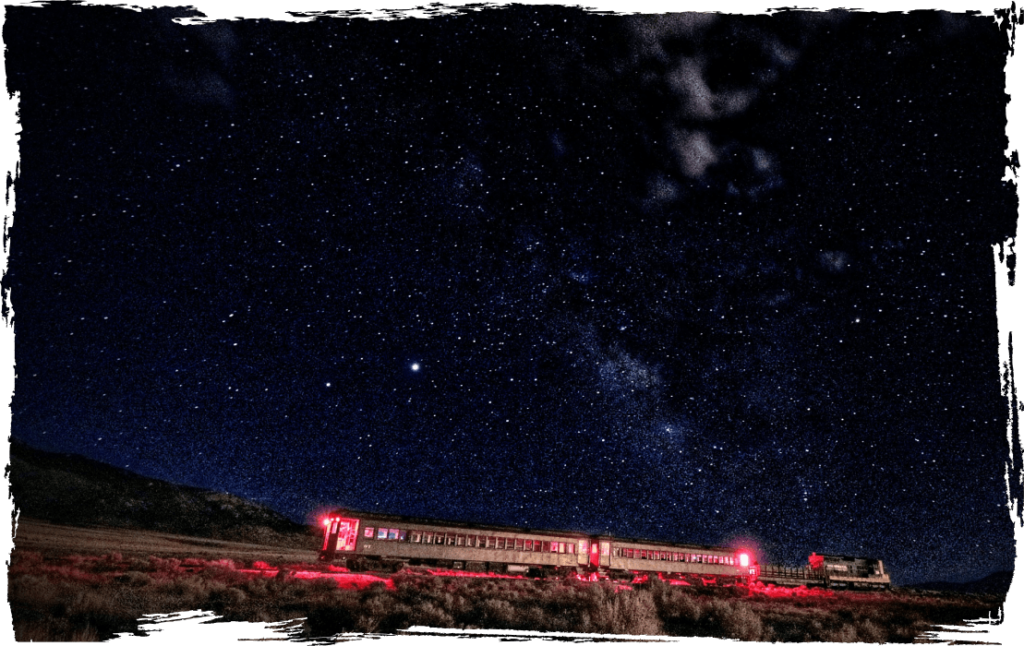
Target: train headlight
744, 559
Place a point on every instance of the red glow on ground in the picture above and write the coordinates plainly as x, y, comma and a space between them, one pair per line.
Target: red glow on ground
346, 580
777, 592
474, 575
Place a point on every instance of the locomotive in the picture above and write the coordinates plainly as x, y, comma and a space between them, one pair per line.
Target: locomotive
381, 541
831, 571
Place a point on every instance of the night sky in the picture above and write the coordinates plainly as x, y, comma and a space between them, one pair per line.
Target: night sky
685, 277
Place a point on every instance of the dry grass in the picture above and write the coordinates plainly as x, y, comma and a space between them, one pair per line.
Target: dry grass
89, 597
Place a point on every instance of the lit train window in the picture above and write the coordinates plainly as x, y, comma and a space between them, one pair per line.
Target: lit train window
368, 532
393, 534
554, 546
561, 548
569, 547
488, 542
518, 545
416, 536
449, 539
460, 540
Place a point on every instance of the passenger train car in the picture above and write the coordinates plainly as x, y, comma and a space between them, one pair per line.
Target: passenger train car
384, 540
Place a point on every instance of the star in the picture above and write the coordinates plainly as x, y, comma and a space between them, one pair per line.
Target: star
415, 367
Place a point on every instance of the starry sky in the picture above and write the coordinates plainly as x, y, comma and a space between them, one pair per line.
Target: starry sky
685, 277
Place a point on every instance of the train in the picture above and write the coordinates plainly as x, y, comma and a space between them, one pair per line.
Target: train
382, 541
832, 571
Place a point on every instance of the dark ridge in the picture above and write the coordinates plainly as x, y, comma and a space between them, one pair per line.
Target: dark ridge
74, 490
995, 583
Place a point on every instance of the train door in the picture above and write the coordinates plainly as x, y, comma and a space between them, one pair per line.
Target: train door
348, 531
606, 553
339, 536
583, 553
595, 555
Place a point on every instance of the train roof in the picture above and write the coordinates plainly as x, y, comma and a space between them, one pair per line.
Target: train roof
417, 520
846, 557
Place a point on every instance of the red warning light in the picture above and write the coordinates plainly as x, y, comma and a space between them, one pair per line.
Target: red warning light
744, 559
327, 521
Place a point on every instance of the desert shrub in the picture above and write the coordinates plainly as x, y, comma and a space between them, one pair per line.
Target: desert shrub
164, 566
841, 633
53, 632
135, 579
633, 612
429, 614
35, 592
734, 619
496, 613
868, 632
330, 617
679, 610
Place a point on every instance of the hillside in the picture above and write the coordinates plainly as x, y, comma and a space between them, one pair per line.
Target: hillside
995, 583
73, 490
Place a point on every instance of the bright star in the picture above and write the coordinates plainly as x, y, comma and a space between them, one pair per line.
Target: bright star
415, 367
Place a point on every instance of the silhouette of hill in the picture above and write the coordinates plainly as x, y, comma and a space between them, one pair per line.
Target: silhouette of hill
74, 490
995, 583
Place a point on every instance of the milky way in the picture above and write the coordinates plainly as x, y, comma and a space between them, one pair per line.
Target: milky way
706, 279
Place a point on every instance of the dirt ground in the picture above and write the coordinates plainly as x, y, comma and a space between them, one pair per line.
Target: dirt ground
57, 540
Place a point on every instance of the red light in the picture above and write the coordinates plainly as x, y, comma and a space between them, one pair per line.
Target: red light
327, 521
744, 559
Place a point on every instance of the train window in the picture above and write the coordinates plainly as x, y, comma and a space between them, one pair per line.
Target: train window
629, 554
569, 547
561, 548
449, 539
460, 540
606, 548
554, 546
393, 534
489, 542
368, 532
382, 533
416, 536
518, 545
